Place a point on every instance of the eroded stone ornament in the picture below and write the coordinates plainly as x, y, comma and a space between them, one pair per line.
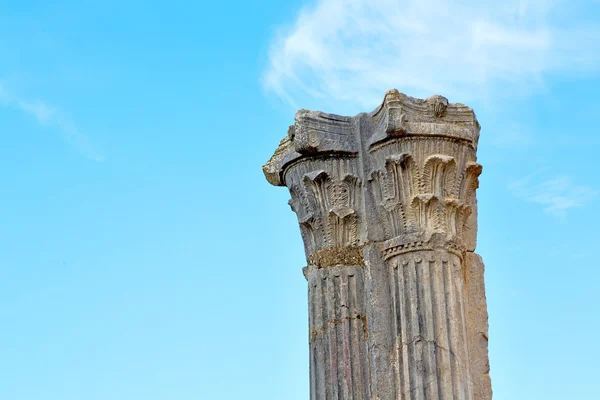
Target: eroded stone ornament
387, 209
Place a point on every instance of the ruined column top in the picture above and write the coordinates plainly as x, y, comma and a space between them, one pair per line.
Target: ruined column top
318, 133
387, 208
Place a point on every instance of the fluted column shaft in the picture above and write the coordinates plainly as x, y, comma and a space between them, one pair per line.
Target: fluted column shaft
430, 349
339, 366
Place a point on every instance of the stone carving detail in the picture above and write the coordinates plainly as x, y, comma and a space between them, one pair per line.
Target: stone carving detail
386, 203
326, 209
317, 131
393, 191
429, 198
439, 105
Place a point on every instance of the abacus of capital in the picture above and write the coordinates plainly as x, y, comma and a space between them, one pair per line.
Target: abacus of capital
388, 214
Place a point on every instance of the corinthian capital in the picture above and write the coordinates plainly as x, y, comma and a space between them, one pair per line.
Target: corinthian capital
409, 168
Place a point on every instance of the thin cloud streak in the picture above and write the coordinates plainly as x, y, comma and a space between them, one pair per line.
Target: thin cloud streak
557, 194
48, 116
353, 50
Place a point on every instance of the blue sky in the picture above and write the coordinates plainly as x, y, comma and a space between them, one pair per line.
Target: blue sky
144, 256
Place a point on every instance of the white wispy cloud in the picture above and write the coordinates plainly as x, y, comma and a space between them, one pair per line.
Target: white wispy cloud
47, 115
556, 195
354, 50
40, 110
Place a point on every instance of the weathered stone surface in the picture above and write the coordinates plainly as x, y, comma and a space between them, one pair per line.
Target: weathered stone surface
477, 327
387, 209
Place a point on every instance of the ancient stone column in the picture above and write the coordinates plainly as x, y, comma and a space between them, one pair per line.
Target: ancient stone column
388, 214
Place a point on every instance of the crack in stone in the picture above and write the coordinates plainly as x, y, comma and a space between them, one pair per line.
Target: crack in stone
418, 339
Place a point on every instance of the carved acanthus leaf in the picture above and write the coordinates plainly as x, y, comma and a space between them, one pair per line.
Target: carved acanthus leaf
436, 173
470, 182
332, 207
